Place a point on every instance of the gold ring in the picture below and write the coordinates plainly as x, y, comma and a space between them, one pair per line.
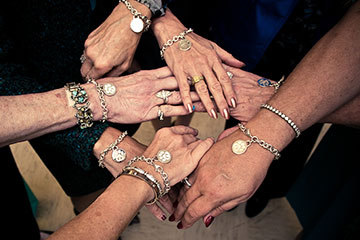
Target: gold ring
197, 79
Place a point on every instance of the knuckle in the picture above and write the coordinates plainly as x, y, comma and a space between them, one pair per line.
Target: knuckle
215, 87
102, 64
202, 88
192, 213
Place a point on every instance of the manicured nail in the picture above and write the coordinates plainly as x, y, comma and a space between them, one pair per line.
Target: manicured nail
189, 108
193, 108
213, 113
172, 218
179, 226
233, 103
226, 114
175, 204
163, 217
209, 220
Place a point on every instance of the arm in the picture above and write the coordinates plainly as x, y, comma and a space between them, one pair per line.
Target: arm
109, 215
325, 80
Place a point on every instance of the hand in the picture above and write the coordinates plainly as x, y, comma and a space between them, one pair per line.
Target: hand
205, 59
136, 101
110, 48
249, 94
221, 181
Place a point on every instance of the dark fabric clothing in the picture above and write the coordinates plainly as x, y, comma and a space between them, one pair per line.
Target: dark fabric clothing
17, 213
326, 196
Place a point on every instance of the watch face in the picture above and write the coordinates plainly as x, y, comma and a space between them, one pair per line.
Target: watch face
137, 25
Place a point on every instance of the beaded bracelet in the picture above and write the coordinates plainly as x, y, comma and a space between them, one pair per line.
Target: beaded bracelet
283, 116
84, 114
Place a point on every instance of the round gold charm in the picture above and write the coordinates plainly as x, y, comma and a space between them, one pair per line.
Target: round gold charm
109, 89
239, 147
137, 25
163, 156
184, 45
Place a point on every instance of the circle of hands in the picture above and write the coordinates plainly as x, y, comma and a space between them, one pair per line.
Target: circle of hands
220, 180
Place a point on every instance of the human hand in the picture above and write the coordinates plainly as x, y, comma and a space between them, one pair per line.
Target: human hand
135, 100
110, 48
204, 58
221, 181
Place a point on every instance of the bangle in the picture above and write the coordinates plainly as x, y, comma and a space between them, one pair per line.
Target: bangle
139, 23
107, 89
264, 82
118, 154
84, 114
146, 177
184, 44
283, 116
240, 146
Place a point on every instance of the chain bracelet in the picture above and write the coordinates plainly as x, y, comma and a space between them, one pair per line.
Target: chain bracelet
262, 143
109, 148
138, 14
175, 39
100, 90
158, 169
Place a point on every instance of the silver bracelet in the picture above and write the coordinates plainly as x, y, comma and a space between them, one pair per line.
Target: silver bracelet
283, 116
139, 23
184, 44
264, 82
107, 89
118, 154
158, 169
240, 146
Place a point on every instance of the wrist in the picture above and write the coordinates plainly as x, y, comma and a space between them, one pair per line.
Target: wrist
139, 188
143, 9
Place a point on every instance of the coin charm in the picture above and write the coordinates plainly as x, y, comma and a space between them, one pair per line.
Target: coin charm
239, 147
184, 45
163, 156
109, 89
118, 155
137, 25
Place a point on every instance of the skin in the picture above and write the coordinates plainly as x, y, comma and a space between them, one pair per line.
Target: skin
328, 75
106, 218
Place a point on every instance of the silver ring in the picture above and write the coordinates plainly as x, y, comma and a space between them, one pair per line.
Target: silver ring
160, 114
82, 58
164, 95
186, 181
230, 74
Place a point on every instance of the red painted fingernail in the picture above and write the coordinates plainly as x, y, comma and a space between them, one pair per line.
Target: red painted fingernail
163, 217
233, 102
209, 220
175, 204
172, 218
179, 226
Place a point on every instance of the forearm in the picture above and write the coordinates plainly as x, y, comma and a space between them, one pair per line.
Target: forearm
109, 215
31, 115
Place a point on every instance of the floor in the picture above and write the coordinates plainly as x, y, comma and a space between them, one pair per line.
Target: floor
277, 221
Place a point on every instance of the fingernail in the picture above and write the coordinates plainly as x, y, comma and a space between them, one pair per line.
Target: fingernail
213, 113
193, 108
175, 204
179, 226
233, 103
209, 220
189, 108
226, 114
172, 218
163, 217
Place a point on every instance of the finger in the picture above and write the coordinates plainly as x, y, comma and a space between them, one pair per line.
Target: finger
156, 211
225, 82
168, 110
227, 132
202, 148
217, 92
118, 70
184, 90
219, 210
182, 130
202, 90
189, 138
227, 57
86, 67
163, 72
175, 98
166, 202
189, 196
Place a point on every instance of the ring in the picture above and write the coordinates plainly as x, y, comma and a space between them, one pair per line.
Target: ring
197, 79
164, 95
230, 74
186, 181
82, 58
160, 114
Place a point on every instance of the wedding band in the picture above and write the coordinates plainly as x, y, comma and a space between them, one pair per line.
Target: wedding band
230, 74
160, 114
164, 95
197, 79
82, 58
186, 181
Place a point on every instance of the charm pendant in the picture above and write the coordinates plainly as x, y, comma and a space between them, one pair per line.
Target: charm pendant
109, 89
137, 25
184, 45
163, 156
239, 147
264, 82
118, 155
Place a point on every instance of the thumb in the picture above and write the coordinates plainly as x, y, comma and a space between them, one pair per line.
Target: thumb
199, 151
227, 132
